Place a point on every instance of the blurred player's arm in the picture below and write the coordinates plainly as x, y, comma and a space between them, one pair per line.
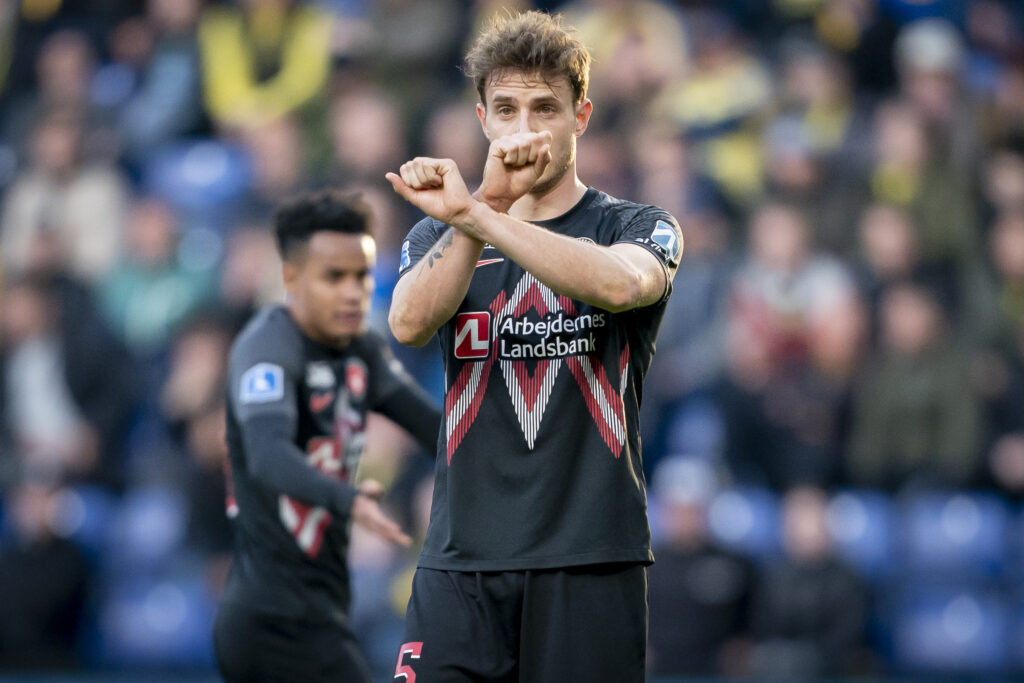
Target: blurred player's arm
275, 461
412, 410
401, 399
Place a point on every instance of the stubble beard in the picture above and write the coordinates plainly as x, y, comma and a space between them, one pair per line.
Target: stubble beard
561, 167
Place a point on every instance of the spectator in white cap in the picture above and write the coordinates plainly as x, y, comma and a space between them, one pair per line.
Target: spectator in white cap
930, 58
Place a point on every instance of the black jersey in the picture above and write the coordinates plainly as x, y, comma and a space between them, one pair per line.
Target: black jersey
539, 460
295, 429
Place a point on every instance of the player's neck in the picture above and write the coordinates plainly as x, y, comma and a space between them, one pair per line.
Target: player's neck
551, 204
310, 331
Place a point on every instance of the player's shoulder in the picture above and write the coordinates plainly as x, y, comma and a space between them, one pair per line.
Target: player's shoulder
628, 211
429, 225
271, 335
369, 343
646, 225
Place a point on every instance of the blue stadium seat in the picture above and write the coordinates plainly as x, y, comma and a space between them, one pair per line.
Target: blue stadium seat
84, 515
861, 522
950, 629
199, 175
961, 534
147, 529
746, 519
156, 622
696, 429
1017, 634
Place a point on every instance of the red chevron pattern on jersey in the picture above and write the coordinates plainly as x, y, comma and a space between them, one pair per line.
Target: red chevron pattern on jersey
604, 403
530, 391
306, 523
464, 396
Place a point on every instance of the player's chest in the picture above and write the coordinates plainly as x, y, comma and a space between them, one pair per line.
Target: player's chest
497, 279
334, 393
508, 314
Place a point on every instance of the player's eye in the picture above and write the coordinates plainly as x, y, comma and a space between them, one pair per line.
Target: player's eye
505, 111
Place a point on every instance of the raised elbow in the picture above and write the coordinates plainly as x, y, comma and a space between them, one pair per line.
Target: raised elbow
624, 294
407, 329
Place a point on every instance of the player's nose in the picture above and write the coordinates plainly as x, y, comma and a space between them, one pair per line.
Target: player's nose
351, 289
524, 124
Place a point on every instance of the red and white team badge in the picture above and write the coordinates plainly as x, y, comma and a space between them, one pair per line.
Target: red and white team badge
473, 335
355, 378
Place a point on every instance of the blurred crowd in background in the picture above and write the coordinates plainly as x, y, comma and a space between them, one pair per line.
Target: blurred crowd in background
834, 421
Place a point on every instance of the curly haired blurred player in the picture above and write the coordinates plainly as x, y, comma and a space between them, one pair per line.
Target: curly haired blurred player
302, 377
547, 296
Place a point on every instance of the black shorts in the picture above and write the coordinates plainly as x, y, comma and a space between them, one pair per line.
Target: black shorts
258, 647
584, 623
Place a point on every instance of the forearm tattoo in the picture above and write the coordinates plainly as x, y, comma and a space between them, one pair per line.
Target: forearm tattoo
442, 244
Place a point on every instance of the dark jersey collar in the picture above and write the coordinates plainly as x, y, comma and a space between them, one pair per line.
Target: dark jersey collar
585, 201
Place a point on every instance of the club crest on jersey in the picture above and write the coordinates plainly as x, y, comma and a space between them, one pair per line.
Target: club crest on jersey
665, 236
262, 383
356, 378
473, 335
319, 375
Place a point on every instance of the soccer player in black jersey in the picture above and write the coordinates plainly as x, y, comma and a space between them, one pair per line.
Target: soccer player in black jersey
302, 377
547, 296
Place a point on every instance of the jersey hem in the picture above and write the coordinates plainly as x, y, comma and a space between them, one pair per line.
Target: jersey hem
644, 556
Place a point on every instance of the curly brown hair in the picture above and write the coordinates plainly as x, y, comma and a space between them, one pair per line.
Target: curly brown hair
533, 43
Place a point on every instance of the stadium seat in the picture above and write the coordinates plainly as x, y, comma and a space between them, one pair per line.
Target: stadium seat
746, 519
861, 522
84, 515
958, 534
949, 630
156, 623
1017, 635
198, 176
148, 527
696, 429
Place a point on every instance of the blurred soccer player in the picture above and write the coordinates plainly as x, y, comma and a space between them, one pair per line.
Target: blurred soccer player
547, 296
302, 377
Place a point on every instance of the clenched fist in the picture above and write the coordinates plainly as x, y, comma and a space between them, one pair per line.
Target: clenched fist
435, 187
514, 164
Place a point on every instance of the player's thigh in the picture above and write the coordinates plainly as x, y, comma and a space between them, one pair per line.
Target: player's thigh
585, 624
460, 627
252, 647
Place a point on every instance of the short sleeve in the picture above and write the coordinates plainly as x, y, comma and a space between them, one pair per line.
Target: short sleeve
263, 378
658, 232
418, 242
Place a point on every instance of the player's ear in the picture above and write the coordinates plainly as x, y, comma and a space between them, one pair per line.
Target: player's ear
289, 273
583, 111
481, 113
